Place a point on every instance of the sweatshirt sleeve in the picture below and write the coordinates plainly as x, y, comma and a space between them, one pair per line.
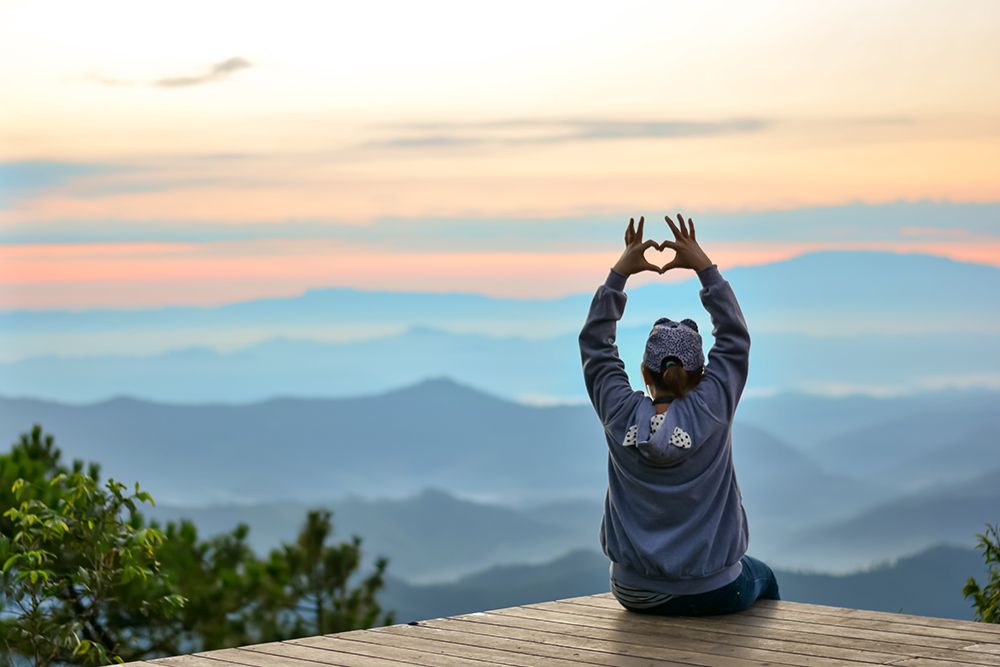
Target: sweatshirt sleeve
729, 359
603, 371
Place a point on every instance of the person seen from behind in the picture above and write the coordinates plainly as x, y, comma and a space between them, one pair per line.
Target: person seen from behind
674, 527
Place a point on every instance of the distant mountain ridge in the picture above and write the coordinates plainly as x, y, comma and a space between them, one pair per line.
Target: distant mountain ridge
525, 369
430, 536
443, 434
819, 293
475, 445
854, 270
830, 322
953, 512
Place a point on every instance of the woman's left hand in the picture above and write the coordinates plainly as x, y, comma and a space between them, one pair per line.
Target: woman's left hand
633, 260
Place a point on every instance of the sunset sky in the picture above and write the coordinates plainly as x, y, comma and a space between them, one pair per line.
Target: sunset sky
202, 153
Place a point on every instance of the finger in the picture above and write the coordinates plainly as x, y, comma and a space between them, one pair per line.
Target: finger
649, 266
642, 219
650, 243
672, 264
673, 227
683, 228
630, 232
691, 225
669, 244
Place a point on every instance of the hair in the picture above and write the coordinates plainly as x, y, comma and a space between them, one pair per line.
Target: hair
674, 381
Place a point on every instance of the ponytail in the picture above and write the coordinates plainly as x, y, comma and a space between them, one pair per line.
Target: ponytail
674, 381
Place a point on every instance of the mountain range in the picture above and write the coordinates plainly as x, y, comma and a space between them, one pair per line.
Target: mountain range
429, 537
827, 322
486, 449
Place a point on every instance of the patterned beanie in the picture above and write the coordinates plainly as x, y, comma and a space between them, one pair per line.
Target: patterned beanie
674, 339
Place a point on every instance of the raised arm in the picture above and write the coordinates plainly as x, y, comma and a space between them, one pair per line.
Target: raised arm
729, 359
603, 371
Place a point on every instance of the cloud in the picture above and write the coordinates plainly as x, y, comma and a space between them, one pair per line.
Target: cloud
936, 232
554, 131
218, 72
533, 131
26, 178
941, 223
430, 140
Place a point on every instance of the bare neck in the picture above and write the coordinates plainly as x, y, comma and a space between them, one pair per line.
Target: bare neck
660, 407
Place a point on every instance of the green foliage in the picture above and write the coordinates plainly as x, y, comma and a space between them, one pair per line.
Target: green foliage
233, 598
87, 582
986, 599
302, 589
83, 577
318, 577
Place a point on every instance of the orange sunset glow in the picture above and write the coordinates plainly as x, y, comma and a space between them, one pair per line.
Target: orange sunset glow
133, 160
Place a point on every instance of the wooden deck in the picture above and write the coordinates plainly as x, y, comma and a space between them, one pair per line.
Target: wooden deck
596, 630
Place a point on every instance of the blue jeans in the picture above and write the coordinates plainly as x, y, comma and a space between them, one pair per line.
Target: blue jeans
756, 582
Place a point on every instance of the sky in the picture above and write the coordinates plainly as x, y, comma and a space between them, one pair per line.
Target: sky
203, 153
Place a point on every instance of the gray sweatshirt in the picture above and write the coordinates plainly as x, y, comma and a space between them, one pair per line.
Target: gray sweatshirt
673, 514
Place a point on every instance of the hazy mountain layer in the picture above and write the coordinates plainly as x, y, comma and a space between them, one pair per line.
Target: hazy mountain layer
824, 322
467, 443
431, 536
531, 370
953, 513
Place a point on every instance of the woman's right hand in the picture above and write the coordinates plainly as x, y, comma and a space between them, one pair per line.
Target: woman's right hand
689, 253
633, 260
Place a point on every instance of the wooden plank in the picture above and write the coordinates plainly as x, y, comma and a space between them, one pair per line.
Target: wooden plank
621, 631
962, 633
313, 648
959, 658
581, 650
782, 608
916, 619
515, 653
873, 629
569, 650
269, 655
191, 660
873, 649
766, 607
598, 630
693, 629
926, 662
613, 642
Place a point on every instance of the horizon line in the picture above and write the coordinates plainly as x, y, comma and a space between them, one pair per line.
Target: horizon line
679, 278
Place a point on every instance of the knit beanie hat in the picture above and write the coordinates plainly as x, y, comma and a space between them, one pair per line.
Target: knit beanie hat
674, 339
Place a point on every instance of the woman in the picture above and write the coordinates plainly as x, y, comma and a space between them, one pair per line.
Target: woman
674, 526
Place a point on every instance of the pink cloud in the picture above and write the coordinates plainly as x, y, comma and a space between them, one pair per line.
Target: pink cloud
150, 274
935, 232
